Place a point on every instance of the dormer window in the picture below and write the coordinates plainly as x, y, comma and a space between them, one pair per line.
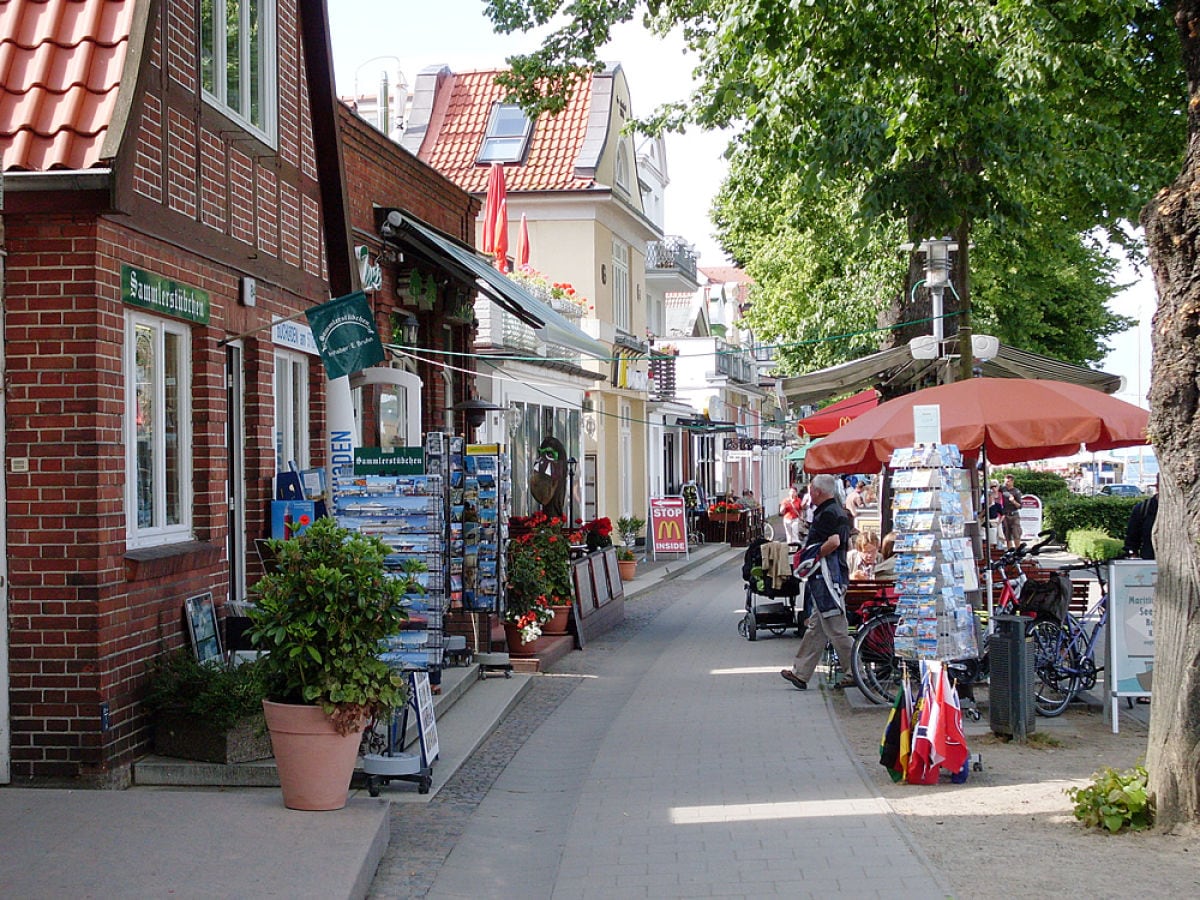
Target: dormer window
507, 135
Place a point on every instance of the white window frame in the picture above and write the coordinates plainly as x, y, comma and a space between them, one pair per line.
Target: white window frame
625, 442
215, 63
621, 170
292, 440
158, 531
622, 309
506, 146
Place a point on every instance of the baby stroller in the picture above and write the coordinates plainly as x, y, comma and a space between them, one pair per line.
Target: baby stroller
767, 606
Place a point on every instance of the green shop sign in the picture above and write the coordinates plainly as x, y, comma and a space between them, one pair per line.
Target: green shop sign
389, 460
153, 292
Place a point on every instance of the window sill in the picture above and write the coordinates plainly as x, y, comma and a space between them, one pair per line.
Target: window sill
169, 559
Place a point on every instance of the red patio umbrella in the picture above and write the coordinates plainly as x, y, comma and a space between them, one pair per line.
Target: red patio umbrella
1010, 419
523, 243
495, 217
831, 418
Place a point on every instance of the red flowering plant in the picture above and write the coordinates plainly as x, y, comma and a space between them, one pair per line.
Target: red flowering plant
597, 534
724, 506
538, 573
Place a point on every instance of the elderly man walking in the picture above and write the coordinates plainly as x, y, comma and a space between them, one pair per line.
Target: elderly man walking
825, 589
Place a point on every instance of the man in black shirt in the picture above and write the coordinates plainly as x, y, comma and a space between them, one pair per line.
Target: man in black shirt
1139, 534
825, 588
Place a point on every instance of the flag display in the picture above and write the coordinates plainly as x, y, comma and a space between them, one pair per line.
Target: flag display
344, 331
925, 735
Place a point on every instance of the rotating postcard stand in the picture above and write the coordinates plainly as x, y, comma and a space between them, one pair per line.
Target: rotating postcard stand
396, 765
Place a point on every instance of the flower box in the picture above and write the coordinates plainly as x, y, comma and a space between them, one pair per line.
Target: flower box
725, 517
183, 736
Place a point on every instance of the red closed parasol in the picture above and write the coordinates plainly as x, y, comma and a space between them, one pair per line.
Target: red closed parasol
1013, 419
495, 218
523, 243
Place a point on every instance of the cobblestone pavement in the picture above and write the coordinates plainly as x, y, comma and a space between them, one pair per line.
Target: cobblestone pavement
423, 835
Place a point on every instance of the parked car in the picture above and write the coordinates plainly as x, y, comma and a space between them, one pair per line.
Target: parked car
1121, 490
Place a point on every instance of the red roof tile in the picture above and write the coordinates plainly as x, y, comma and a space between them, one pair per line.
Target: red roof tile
60, 63
460, 119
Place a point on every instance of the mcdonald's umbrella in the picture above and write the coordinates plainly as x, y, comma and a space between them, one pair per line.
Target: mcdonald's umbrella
523, 243
1012, 419
831, 418
495, 218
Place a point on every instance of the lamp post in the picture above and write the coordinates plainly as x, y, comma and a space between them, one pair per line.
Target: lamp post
475, 411
572, 464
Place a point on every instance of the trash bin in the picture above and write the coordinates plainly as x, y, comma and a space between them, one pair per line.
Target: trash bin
1010, 695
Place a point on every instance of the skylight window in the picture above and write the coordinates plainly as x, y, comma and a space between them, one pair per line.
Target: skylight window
507, 135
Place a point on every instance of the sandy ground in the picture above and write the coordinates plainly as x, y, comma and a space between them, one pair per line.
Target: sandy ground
1010, 832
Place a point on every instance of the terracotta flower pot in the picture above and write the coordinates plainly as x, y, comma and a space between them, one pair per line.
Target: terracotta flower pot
627, 568
561, 622
315, 763
512, 636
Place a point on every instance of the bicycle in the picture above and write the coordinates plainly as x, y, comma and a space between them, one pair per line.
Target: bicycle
1064, 653
878, 671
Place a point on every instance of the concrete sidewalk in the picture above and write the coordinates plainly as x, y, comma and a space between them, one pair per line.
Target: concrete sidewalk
238, 841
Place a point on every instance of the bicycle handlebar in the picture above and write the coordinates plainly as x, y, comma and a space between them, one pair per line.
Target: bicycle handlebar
1022, 550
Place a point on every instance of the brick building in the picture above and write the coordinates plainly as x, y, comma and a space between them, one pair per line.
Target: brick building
161, 216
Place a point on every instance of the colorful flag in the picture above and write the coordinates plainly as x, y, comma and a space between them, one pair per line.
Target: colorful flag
949, 742
922, 769
895, 745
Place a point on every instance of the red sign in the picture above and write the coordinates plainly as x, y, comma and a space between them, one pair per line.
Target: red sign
668, 527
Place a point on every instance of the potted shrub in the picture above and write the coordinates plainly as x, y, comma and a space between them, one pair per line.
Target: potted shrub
321, 615
208, 711
538, 579
630, 528
626, 563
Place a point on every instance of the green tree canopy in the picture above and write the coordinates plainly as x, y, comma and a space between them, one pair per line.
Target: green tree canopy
1011, 124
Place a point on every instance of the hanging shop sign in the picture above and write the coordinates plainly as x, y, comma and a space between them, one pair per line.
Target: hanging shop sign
162, 295
295, 336
389, 460
346, 336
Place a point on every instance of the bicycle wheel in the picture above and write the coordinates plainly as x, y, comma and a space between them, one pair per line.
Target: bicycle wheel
1055, 666
875, 666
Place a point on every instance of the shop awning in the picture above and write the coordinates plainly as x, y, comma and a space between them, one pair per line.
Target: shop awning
707, 426
406, 231
799, 453
896, 369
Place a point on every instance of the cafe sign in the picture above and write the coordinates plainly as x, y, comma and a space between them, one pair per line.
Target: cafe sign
162, 295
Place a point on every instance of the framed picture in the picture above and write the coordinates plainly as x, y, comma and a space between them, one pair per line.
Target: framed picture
201, 618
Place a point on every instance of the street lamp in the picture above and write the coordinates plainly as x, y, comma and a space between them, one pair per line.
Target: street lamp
572, 464
409, 330
474, 411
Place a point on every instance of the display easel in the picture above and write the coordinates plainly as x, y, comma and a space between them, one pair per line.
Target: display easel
396, 765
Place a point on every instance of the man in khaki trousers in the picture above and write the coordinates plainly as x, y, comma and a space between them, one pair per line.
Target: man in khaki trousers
825, 588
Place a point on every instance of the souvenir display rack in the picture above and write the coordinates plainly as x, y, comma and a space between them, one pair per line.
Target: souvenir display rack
407, 512
935, 564
480, 485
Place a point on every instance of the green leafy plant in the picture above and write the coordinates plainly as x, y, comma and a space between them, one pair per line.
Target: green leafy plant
629, 527
215, 693
322, 614
1115, 800
1045, 485
624, 554
1071, 512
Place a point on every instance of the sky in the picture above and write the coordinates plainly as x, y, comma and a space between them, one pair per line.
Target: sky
372, 35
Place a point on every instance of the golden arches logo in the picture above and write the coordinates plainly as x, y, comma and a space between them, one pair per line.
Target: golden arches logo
669, 529
844, 420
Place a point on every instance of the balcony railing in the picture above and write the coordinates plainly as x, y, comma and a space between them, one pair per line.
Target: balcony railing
662, 377
673, 253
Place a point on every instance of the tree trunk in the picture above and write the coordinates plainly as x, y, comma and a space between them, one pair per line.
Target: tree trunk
1172, 223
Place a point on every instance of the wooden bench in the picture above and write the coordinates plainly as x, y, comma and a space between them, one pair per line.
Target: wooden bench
868, 590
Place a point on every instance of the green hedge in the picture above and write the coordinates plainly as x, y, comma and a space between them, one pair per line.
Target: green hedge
1109, 515
1047, 485
1094, 545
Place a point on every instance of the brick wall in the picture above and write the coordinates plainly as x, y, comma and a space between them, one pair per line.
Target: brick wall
379, 173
